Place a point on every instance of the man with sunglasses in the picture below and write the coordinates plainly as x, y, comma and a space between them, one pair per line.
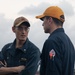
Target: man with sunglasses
20, 57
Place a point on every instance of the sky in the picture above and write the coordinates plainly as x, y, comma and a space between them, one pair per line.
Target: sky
11, 9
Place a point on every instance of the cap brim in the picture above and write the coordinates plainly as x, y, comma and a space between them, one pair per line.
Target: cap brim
26, 23
40, 16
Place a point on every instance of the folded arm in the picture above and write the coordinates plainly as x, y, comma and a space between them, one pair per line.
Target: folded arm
7, 70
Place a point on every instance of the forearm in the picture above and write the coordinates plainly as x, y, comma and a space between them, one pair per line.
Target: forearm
6, 70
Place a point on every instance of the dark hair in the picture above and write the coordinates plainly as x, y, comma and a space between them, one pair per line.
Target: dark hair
56, 21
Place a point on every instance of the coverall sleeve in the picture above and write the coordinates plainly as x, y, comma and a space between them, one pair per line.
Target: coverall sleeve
50, 65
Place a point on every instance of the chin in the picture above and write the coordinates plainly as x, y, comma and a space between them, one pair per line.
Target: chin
22, 39
46, 32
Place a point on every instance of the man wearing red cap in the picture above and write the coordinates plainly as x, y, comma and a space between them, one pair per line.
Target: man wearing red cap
57, 56
20, 57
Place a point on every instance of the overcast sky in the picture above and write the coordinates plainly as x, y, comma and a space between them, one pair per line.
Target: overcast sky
11, 9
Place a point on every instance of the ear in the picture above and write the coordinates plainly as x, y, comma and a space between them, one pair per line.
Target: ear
50, 20
13, 29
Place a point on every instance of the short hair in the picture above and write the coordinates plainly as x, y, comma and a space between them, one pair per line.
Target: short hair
56, 21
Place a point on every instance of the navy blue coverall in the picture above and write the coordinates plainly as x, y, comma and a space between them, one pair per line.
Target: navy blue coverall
57, 56
28, 56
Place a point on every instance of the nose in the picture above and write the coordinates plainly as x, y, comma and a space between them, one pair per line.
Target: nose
42, 24
23, 31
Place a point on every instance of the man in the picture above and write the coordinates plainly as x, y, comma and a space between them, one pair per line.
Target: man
20, 57
57, 56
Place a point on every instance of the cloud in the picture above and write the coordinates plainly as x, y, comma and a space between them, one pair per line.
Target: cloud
37, 35
6, 35
67, 8
70, 27
33, 10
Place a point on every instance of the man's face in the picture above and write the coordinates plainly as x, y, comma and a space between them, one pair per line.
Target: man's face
21, 32
46, 25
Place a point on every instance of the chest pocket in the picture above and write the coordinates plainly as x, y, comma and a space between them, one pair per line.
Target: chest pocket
16, 59
21, 57
23, 61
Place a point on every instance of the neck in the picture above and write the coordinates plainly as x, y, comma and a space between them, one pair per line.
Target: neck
54, 28
19, 43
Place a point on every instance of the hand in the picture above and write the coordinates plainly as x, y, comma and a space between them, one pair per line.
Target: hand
3, 64
20, 68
